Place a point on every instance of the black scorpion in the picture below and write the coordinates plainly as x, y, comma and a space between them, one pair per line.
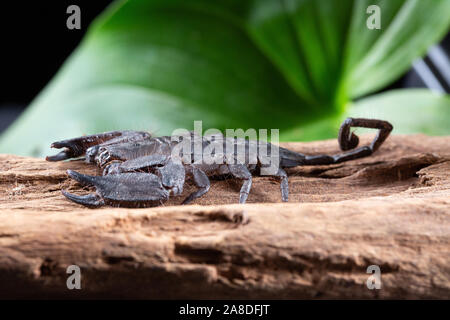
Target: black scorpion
140, 170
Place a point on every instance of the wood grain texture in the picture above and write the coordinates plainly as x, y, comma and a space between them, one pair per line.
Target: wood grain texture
391, 209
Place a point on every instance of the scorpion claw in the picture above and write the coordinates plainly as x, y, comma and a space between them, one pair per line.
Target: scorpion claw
82, 178
71, 150
122, 189
90, 200
63, 155
78, 147
62, 144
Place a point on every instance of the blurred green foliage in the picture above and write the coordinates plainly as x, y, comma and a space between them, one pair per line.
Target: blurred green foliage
295, 65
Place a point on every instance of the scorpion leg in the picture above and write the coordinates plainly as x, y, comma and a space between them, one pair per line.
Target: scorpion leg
349, 141
241, 172
78, 146
201, 180
284, 186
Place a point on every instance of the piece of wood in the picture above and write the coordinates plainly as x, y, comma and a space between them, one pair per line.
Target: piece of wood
391, 210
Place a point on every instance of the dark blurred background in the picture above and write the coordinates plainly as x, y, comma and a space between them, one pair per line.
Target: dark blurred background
36, 41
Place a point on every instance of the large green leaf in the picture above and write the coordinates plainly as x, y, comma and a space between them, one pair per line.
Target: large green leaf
409, 111
161, 64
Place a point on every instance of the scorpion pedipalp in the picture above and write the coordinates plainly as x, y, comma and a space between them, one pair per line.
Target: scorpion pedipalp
78, 146
124, 189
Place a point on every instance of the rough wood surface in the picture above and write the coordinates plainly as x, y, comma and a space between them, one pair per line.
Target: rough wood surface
391, 209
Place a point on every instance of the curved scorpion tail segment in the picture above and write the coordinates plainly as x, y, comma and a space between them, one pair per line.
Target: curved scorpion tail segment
90, 200
349, 140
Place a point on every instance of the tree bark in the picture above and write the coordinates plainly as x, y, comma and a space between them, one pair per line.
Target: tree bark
391, 210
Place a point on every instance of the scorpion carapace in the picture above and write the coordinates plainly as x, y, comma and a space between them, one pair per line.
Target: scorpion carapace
140, 170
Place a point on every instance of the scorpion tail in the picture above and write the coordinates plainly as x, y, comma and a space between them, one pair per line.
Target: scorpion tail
348, 143
289, 159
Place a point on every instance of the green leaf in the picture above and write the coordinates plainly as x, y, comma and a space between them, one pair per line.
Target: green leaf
380, 58
292, 65
410, 111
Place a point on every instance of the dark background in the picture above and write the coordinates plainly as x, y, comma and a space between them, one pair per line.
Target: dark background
35, 42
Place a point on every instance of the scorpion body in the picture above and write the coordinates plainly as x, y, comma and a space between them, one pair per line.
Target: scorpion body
140, 170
